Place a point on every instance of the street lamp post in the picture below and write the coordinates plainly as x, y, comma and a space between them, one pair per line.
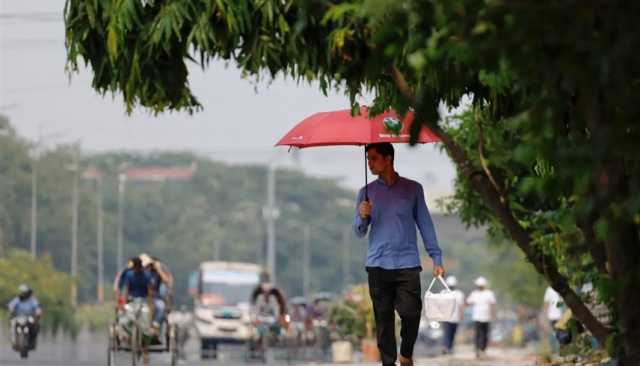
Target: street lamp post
74, 229
122, 179
306, 260
35, 156
34, 200
271, 214
94, 173
345, 257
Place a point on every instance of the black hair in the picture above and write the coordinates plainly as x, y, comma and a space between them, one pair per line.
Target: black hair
383, 148
137, 262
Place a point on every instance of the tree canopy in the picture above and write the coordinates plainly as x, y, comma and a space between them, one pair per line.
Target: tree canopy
547, 154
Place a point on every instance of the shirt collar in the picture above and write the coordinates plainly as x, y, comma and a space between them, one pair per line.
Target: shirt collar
381, 181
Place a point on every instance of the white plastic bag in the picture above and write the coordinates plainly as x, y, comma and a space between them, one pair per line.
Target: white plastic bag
439, 307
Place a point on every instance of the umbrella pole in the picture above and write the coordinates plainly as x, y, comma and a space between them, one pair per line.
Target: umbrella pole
366, 188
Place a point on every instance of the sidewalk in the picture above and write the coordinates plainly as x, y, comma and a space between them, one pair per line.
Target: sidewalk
465, 356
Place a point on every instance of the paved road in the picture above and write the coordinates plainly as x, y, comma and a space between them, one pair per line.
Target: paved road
90, 350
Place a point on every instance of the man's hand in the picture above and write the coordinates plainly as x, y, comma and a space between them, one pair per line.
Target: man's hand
365, 209
438, 271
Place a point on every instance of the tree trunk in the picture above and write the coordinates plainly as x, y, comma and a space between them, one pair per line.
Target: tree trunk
623, 251
544, 264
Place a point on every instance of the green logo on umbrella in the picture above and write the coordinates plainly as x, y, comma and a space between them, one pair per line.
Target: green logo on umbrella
392, 125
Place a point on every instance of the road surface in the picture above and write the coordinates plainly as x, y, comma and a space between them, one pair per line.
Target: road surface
90, 350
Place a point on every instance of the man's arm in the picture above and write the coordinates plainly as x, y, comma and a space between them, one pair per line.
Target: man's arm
360, 225
36, 304
12, 305
427, 230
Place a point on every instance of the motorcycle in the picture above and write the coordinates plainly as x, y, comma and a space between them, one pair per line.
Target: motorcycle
22, 336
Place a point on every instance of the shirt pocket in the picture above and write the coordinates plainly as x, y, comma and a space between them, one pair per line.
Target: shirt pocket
404, 207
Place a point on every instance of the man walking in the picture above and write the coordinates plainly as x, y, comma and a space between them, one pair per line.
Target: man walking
483, 301
393, 207
451, 326
553, 309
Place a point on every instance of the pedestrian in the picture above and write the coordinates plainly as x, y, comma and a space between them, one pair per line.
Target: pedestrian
389, 208
451, 326
483, 302
553, 309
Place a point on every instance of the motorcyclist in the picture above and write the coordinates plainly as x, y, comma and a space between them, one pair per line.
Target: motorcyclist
26, 304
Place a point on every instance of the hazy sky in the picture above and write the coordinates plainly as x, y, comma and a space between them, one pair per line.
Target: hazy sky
238, 123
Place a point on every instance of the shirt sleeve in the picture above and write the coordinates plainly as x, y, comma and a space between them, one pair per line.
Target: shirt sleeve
12, 304
360, 225
471, 298
427, 230
124, 280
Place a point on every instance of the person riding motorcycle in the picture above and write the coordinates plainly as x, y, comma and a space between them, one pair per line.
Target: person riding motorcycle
26, 304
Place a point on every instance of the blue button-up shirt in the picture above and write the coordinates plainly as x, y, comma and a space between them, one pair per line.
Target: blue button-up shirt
138, 283
26, 307
396, 210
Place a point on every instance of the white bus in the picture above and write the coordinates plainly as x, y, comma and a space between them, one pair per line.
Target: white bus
221, 292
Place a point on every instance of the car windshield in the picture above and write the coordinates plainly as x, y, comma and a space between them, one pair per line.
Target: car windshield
228, 287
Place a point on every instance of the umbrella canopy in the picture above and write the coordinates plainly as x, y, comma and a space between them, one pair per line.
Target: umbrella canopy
341, 128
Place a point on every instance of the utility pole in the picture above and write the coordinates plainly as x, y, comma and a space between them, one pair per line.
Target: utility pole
216, 250
122, 179
34, 193
271, 214
35, 157
100, 240
74, 230
345, 258
94, 173
306, 260
34, 197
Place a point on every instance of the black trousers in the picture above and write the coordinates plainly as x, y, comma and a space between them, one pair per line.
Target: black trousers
482, 335
450, 330
397, 290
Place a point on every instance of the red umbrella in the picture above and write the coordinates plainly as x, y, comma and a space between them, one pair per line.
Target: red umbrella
341, 128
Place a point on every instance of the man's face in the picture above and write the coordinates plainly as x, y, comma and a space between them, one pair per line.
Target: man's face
377, 162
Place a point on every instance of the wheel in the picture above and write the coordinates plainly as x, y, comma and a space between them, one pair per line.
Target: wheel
111, 348
23, 345
208, 349
173, 344
136, 345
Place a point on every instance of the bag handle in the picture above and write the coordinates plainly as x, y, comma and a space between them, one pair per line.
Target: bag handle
441, 281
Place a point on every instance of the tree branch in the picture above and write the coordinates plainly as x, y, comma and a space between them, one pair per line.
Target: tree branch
544, 264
